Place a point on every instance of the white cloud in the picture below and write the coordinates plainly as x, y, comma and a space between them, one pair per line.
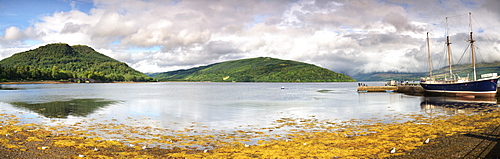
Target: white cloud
344, 36
13, 34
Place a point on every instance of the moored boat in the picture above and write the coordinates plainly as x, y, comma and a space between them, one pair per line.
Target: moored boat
484, 87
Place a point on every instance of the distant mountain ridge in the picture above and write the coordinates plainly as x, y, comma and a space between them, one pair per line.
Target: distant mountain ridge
261, 69
463, 70
61, 61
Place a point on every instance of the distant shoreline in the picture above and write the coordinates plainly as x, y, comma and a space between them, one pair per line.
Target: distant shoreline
69, 82
55, 82
37, 82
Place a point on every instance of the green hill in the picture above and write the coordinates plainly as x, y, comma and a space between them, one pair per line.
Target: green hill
61, 61
387, 76
262, 69
463, 70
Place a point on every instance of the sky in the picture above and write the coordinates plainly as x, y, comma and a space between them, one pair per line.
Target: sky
346, 36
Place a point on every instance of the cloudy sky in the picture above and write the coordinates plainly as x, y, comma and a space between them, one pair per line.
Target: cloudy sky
347, 36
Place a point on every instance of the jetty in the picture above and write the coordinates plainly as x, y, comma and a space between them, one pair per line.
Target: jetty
409, 89
393, 86
377, 88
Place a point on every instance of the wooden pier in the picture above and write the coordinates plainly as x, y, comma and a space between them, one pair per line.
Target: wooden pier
409, 89
377, 88
412, 89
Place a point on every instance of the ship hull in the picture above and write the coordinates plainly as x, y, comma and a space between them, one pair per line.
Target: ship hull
480, 88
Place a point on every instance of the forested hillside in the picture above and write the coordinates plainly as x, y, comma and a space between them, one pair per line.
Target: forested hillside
60, 61
262, 69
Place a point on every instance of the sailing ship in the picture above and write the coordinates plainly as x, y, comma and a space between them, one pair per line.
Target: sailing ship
486, 86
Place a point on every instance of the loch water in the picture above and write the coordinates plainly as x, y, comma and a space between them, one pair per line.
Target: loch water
216, 106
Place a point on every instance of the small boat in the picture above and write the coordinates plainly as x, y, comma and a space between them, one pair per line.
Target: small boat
484, 87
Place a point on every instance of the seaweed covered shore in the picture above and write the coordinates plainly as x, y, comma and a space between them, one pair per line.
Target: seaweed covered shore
463, 135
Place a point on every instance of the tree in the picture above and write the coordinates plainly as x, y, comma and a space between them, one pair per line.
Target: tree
55, 71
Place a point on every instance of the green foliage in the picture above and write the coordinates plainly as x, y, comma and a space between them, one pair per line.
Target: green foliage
262, 69
60, 61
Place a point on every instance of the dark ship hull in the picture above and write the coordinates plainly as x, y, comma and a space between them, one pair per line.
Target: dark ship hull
481, 88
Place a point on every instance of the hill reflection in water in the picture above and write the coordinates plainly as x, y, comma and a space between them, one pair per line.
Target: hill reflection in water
8, 88
63, 109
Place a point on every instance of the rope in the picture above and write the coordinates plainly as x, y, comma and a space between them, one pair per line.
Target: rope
442, 21
482, 28
486, 34
437, 25
479, 53
465, 51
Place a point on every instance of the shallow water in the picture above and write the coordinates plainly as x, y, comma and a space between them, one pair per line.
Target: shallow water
214, 106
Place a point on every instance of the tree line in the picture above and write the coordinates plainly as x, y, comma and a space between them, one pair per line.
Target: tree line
30, 73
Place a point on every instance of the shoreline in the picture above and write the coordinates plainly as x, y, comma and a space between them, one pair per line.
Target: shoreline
37, 82
58, 82
69, 82
459, 136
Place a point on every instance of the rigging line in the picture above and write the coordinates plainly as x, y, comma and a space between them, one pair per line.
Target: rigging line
479, 54
482, 28
487, 54
486, 34
441, 61
437, 25
458, 15
442, 21
465, 51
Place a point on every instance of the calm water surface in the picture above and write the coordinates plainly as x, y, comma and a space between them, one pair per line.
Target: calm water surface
218, 106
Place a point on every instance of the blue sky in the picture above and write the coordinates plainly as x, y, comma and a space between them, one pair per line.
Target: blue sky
23, 13
344, 36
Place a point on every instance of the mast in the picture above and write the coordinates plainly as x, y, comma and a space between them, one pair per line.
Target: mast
449, 49
429, 55
471, 41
